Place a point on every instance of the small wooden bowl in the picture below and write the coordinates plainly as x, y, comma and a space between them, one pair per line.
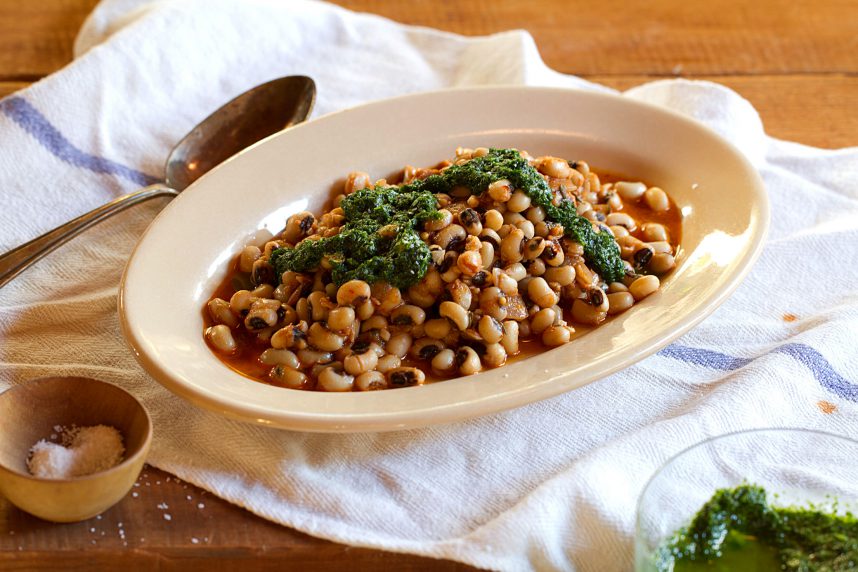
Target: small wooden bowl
30, 411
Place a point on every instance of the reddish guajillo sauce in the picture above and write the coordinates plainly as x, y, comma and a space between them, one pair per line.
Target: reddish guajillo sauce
245, 360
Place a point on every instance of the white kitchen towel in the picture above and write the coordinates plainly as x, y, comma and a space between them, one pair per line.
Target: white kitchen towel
552, 485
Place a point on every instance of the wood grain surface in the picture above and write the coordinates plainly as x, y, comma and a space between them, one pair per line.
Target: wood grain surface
795, 61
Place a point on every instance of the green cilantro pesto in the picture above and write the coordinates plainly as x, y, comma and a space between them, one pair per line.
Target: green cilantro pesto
380, 240
738, 530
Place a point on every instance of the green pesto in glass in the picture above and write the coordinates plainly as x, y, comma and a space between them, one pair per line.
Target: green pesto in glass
738, 530
380, 238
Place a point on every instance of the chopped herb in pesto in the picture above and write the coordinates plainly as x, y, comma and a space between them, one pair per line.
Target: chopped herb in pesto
379, 241
600, 248
738, 530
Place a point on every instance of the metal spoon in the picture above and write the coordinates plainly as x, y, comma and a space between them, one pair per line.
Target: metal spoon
250, 117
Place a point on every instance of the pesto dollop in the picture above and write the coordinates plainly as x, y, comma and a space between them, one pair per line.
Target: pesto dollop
380, 239
378, 242
737, 529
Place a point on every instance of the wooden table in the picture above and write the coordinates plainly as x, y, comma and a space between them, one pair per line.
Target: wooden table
795, 61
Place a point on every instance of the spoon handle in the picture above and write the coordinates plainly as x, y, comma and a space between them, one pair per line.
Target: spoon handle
18, 259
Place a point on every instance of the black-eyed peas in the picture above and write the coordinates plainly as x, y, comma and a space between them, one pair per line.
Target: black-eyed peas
503, 279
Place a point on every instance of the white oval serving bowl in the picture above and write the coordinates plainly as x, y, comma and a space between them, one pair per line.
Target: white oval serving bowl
188, 249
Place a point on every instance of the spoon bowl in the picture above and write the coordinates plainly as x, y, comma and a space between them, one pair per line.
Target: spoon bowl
243, 121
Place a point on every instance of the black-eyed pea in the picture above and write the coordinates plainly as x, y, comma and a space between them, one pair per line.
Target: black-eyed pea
467, 361
399, 344
585, 313
333, 378
388, 362
510, 337
493, 303
516, 271
426, 348
619, 231
535, 214
527, 228
518, 202
487, 254
292, 336
365, 310
653, 232
621, 219
630, 191
500, 190
470, 221
507, 283
320, 306
542, 320
405, 376
495, 355
553, 253
533, 248
263, 291
536, 267
512, 246
220, 338
656, 199
331, 290
407, 315
248, 256
437, 328
260, 317
240, 302
309, 358
455, 313
376, 322
511, 219
562, 275
460, 293
371, 381
556, 335
662, 263
450, 235
298, 226
660, 246
493, 220
356, 364
444, 362
490, 329
324, 339
554, 167
643, 286
620, 302
445, 218
615, 202
220, 312
540, 293
285, 376
273, 356
341, 318
356, 181
353, 293
385, 297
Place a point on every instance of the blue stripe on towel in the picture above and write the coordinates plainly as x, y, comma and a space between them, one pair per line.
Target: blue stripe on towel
33, 122
822, 371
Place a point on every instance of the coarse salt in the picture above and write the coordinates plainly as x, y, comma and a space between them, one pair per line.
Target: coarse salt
83, 451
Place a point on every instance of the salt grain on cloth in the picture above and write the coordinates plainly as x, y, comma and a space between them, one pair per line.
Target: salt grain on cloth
84, 451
